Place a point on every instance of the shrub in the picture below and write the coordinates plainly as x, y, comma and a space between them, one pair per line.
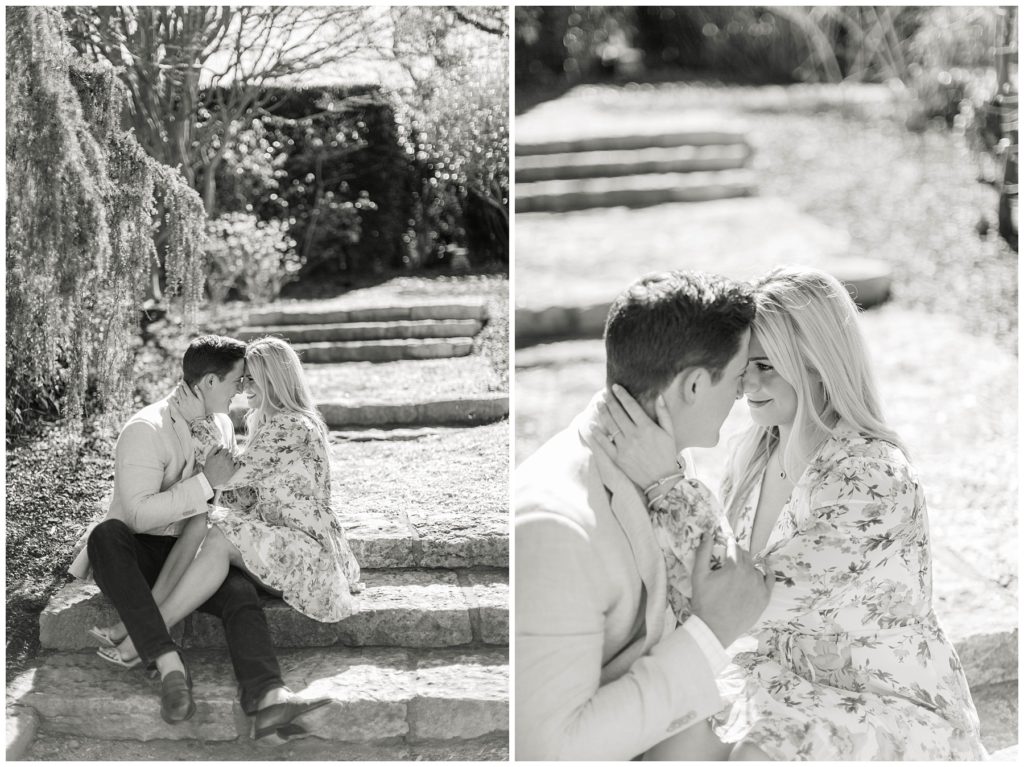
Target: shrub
248, 259
340, 179
459, 132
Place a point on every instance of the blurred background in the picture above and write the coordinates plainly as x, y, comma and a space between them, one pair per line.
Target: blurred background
878, 143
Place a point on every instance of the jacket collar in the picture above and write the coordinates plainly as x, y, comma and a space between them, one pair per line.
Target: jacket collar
630, 510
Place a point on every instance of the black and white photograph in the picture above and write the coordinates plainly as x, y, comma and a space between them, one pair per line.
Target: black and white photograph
257, 383
765, 491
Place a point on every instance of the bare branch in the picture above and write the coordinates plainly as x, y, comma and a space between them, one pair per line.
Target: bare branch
491, 20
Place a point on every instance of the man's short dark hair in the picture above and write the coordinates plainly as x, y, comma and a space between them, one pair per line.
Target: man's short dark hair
211, 354
667, 322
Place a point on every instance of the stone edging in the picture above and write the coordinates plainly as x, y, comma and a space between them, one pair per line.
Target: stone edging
461, 411
868, 281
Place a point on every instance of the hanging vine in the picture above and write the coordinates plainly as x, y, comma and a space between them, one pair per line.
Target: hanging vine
80, 228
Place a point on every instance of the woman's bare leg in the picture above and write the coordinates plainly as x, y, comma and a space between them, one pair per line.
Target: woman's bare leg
201, 579
748, 752
177, 563
694, 744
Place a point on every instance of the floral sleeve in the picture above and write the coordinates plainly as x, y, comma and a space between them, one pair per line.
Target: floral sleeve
682, 517
205, 437
861, 520
267, 448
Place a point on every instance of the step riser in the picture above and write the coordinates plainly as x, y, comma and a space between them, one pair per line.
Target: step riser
384, 352
346, 722
364, 331
867, 282
375, 314
464, 412
491, 748
553, 167
390, 547
529, 201
608, 143
396, 610
375, 695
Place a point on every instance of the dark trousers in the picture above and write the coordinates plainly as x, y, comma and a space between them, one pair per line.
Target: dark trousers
126, 565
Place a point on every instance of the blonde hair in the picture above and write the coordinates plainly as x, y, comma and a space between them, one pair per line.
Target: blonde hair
275, 367
807, 324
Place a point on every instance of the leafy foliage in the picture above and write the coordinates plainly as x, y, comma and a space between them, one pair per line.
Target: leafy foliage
455, 124
248, 259
341, 181
81, 195
196, 74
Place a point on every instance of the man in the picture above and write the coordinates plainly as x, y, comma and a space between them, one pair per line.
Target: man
157, 487
602, 671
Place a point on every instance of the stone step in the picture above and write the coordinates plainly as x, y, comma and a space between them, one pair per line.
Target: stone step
633, 191
383, 351
427, 498
404, 381
377, 695
868, 282
364, 331
630, 162
334, 311
467, 411
581, 134
452, 391
997, 711
742, 238
405, 608
52, 748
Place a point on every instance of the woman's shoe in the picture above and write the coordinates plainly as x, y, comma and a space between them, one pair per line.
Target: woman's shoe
176, 702
111, 655
103, 637
279, 718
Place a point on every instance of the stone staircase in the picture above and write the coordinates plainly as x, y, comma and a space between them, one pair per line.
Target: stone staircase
566, 162
420, 671
394, 364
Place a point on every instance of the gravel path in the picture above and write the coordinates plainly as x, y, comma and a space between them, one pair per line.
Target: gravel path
404, 380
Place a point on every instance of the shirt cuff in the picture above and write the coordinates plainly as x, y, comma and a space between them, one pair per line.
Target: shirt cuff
708, 643
205, 484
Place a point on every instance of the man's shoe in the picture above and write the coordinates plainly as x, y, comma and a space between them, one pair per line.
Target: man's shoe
176, 703
278, 719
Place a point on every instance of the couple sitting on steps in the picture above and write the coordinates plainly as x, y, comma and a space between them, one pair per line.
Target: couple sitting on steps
163, 551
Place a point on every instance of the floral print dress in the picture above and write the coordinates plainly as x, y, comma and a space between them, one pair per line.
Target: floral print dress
848, 661
278, 515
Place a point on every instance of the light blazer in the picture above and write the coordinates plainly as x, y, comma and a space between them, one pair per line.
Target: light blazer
156, 485
601, 670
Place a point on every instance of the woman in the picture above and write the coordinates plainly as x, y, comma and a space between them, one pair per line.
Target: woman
850, 662
276, 521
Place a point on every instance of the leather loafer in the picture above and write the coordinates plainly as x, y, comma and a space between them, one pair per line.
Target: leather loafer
176, 703
278, 718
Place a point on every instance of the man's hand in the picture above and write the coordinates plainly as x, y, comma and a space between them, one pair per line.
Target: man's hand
190, 404
731, 599
219, 467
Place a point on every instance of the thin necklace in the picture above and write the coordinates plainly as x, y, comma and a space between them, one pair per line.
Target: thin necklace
782, 469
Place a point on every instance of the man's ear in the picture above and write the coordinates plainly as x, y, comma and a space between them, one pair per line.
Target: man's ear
690, 382
207, 382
